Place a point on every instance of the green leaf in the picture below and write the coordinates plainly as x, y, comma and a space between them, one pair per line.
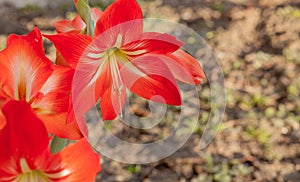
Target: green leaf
57, 144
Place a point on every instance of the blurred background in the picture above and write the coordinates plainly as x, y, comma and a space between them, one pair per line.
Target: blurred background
257, 43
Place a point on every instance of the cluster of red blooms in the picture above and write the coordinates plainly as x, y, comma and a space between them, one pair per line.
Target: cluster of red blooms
39, 99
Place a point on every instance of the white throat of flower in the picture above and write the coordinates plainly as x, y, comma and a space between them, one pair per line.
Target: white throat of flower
35, 175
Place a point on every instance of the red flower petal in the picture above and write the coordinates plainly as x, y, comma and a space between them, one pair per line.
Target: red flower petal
71, 26
151, 79
34, 38
56, 124
56, 91
90, 82
24, 134
184, 67
82, 101
78, 121
112, 102
60, 60
117, 13
70, 45
77, 25
25, 68
81, 161
2, 120
152, 42
52, 103
28, 75
26, 140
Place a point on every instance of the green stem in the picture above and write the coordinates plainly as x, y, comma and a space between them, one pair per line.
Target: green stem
57, 144
90, 27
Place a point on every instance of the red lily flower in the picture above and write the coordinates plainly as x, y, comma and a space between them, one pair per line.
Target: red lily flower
119, 57
27, 74
25, 154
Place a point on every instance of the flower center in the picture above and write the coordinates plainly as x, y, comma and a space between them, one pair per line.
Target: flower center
35, 175
29, 174
116, 57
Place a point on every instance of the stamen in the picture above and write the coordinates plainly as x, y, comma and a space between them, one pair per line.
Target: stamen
135, 53
99, 71
118, 85
95, 55
60, 174
28, 174
24, 166
119, 41
116, 73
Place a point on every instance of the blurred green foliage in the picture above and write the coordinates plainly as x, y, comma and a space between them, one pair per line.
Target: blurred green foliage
289, 11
